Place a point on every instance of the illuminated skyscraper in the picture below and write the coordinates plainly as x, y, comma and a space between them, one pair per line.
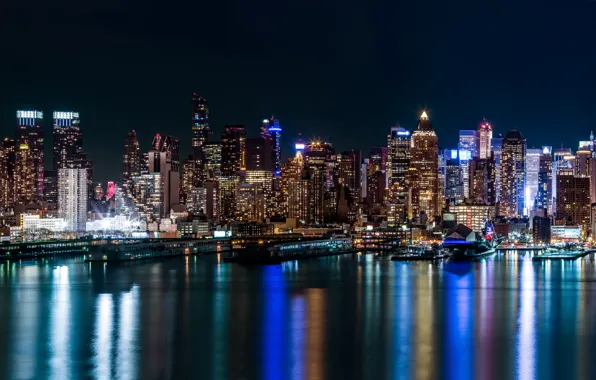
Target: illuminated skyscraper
532, 174
468, 148
233, 150
582, 161
424, 167
544, 197
131, 156
68, 138
5, 180
72, 197
573, 199
513, 162
454, 181
398, 162
170, 144
349, 172
30, 132
212, 152
9, 150
274, 132
161, 162
482, 181
485, 135
496, 145
200, 121
24, 177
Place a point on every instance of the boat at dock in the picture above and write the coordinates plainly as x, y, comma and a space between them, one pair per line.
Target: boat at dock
145, 249
415, 253
275, 253
463, 244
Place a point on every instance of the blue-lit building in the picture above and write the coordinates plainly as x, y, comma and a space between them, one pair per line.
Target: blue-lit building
468, 148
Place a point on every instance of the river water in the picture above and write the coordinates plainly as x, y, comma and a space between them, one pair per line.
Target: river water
348, 317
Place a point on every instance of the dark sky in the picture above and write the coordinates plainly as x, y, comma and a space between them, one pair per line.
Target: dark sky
347, 69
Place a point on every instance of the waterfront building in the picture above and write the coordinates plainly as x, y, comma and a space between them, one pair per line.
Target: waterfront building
72, 197
573, 199
541, 229
30, 132
485, 136
513, 160
233, 150
473, 216
131, 157
148, 195
34, 227
424, 167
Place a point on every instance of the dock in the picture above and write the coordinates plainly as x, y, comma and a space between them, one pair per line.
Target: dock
573, 255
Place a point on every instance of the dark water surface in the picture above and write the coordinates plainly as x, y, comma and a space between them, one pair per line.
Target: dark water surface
352, 317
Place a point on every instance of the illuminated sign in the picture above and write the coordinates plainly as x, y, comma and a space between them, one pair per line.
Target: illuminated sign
222, 234
403, 133
300, 146
66, 115
275, 129
547, 149
30, 114
565, 232
465, 155
453, 154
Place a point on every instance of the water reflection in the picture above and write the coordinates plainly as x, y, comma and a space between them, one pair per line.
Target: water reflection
338, 318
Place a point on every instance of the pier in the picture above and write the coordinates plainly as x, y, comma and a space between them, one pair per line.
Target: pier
562, 255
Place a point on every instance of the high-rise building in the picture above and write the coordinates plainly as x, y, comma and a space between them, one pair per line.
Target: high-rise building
293, 191
68, 138
170, 144
30, 132
573, 199
9, 150
200, 121
250, 202
532, 174
5, 181
274, 133
424, 167
187, 178
131, 156
582, 161
544, 197
212, 153
496, 145
227, 201
161, 162
24, 177
453, 190
72, 197
349, 172
513, 162
468, 148
149, 195
233, 150
482, 181
258, 154
485, 135
399, 143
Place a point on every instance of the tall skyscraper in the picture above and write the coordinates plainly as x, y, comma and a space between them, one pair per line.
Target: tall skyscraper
200, 121
496, 145
513, 162
468, 148
582, 160
30, 132
24, 177
532, 174
68, 138
573, 199
349, 172
485, 135
454, 179
482, 181
132, 158
170, 144
5, 180
161, 162
424, 167
72, 197
399, 143
233, 150
212, 151
544, 197
275, 133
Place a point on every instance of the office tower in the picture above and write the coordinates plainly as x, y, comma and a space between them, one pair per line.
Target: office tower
259, 154
468, 148
485, 135
186, 181
564, 159
496, 144
582, 160
30, 132
72, 197
233, 150
131, 157
293, 191
200, 121
50, 189
573, 199
161, 162
541, 229
273, 134
473, 216
68, 138
349, 172
9, 150
212, 195
454, 179
149, 195
5, 181
227, 202
398, 162
424, 167
24, 177
482, 181
250, 202
544, 197
212, 154
513, 160
532, 174
170, 144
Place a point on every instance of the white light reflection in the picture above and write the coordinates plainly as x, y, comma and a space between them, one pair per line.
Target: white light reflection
526, 350
60, 325
26, 318
127, 352
102, 339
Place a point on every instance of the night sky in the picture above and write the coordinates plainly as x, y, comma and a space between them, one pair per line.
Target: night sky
345, 69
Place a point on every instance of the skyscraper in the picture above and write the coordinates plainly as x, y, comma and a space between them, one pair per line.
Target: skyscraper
513, 162
161, 162
573, 199
399, 143
532, 174
275, 133
496, 145
5, 180
200, 121
485, 135
72, 197
170, 144
544, 196
68, 138
454, 180
212, 152
24, 177
424, 167
482, 181
233, 150
468, 148
30, 132
132, 158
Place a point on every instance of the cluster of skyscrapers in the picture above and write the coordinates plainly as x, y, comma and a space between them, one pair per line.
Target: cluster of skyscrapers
237, 178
